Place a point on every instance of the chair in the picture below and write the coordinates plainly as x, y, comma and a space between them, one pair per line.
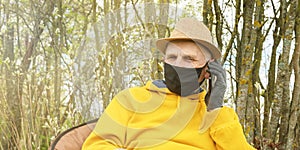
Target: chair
73, 138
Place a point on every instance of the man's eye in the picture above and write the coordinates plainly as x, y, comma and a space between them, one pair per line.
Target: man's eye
171, 57
191, 59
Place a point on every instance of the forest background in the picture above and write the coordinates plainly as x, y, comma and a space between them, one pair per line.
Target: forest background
61, 62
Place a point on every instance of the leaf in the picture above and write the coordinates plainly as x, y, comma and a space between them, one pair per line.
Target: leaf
257, 24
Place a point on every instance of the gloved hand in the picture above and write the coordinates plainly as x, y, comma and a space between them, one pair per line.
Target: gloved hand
214, 97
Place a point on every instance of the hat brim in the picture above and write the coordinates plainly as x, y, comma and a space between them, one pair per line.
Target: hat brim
161, 44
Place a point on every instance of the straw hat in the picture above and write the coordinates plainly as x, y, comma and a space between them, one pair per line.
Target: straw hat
190, 29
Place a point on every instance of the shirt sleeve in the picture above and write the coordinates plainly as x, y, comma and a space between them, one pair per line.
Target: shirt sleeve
227, 131
110, 130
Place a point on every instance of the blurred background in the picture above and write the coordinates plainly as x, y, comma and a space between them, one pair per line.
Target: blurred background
61, 62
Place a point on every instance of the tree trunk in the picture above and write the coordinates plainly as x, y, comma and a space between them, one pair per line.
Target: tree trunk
207, 13
14, 124
256, 85
245, 97
283, 80
106, 36
290, 137
270, 128
157, 71
219, 24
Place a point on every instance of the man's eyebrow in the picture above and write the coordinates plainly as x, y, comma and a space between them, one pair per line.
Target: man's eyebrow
171, 53
189, 56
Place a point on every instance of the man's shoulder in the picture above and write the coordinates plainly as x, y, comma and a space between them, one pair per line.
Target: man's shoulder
152, 84
226, 116
133, 91
135, 97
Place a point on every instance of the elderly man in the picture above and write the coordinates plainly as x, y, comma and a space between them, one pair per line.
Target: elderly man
174, 113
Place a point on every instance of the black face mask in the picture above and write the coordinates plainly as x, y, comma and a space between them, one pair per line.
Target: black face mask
182, 81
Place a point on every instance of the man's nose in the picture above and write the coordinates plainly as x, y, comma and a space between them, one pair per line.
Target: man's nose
179, 62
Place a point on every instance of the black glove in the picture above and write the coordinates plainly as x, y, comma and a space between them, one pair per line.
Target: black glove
215, 95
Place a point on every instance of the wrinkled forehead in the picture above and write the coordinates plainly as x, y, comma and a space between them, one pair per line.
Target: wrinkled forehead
200, 48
